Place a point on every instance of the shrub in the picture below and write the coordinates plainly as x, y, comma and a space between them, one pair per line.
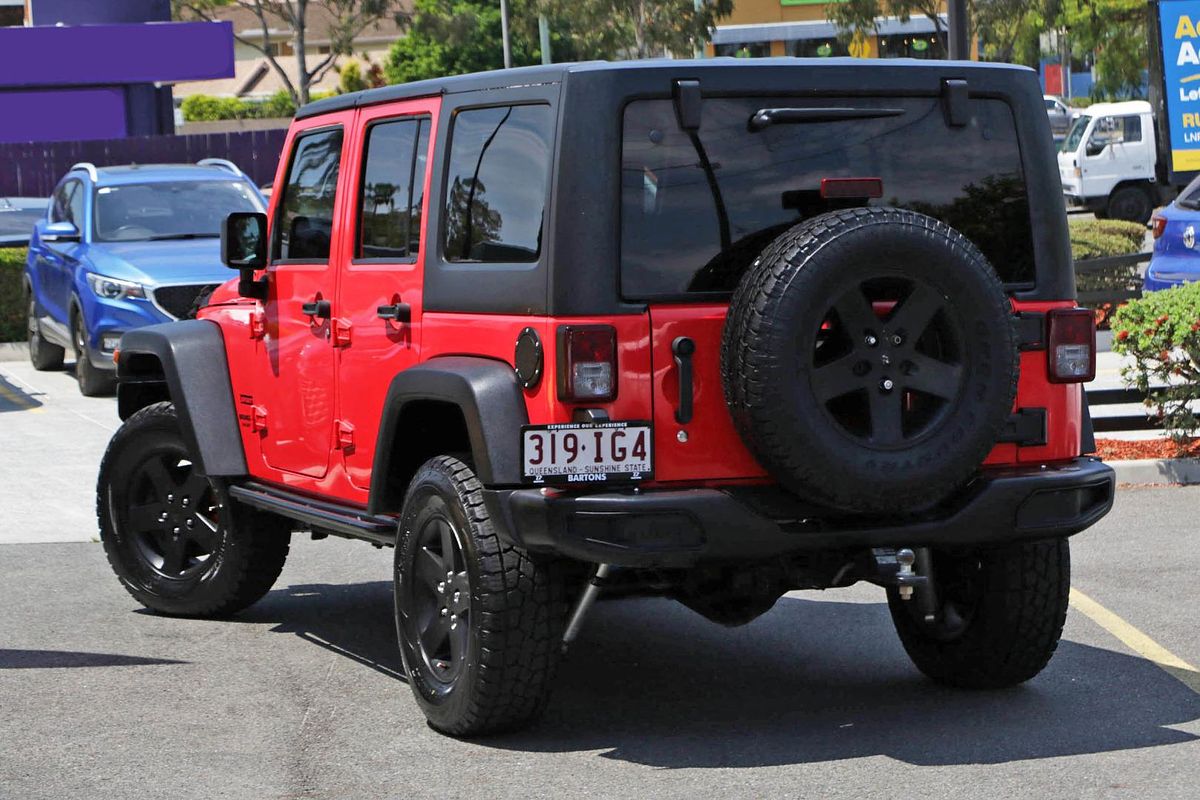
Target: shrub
206, 108
12, 308
1161, 332
1133, 234
1101, 238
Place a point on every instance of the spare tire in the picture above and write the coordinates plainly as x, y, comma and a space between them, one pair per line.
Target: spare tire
870, 359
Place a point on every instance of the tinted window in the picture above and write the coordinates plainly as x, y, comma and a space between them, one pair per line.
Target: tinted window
496, 184
68, 203
673, 240
392, 190
1190, 196
169, 209
305, 223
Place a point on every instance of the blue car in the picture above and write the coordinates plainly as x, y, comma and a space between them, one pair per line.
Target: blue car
1176, 258
122, 247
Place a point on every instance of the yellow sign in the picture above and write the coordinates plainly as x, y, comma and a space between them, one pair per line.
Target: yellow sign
860, 45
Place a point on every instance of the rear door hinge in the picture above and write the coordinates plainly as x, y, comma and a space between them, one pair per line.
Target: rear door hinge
258, 324
341, 332
252, 416
345, 436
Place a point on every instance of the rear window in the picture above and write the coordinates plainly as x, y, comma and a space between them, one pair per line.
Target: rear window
673, 242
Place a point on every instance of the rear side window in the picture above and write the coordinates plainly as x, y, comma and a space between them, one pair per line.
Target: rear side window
305, 225
496, 184
673, 242
393, 189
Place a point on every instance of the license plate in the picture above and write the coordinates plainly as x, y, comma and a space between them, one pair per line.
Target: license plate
600, 452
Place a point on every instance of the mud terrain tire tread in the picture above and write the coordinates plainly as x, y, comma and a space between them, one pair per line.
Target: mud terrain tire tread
747, 359
519, 605
1016, 629
253, 555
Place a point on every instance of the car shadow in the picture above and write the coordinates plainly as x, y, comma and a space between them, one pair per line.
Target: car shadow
66, 659
14, 398
649, 682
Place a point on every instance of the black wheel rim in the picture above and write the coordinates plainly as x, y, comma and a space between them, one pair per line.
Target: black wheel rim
887, 362
439, 600
172, 515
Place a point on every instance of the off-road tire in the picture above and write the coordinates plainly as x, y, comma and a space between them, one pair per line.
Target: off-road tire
93, 382
517, 610
1130, 203
1019, 607
775, 317
42, 354
250, 546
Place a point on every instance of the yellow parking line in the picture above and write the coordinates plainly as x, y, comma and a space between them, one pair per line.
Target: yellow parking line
14, 398
1137, 641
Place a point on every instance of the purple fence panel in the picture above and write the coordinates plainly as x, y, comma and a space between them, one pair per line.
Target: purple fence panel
31, 169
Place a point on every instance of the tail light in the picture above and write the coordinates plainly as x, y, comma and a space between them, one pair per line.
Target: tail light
1158, 225
587, 363
1072, 350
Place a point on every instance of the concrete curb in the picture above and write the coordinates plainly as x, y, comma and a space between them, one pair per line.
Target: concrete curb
1161, 471
14, 351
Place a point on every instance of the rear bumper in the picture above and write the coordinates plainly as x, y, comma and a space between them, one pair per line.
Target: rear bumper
675, 528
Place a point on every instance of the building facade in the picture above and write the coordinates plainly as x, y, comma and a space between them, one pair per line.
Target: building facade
760, 28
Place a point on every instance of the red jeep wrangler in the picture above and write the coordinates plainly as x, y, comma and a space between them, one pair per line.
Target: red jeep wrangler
716, 330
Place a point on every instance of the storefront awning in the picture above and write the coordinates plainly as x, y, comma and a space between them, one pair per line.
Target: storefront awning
816, 29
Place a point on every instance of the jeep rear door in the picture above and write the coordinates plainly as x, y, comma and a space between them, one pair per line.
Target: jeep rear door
698, 206
380, 285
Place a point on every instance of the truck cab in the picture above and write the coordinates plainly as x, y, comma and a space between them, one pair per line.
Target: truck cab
1107, 159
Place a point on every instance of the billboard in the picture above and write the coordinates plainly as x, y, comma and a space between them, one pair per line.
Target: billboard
1179, 45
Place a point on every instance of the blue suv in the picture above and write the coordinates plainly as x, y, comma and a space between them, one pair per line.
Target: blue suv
122, 247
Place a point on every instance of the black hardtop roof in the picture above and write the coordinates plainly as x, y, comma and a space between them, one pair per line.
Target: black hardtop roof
554, 73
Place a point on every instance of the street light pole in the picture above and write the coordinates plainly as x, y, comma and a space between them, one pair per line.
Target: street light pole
504, 33
960, 45
544, 38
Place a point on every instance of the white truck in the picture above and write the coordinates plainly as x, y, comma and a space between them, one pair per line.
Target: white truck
1106, 162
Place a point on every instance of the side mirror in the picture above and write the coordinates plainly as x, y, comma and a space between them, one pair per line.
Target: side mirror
1096, 146
244, 248
244, 240
60, 232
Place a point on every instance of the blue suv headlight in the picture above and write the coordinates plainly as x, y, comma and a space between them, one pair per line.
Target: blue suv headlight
113, 288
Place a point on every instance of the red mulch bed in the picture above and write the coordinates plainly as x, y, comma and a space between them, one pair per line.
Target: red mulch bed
1119, 449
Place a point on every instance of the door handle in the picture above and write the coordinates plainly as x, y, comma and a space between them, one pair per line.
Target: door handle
397, 312
683, 348
317, 308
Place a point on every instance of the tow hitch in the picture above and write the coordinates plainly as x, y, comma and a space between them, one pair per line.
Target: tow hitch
895, 568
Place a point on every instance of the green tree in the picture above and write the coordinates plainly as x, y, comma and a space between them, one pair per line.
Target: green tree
344, 21
1115, 32
645, 28
350, 78
451, 37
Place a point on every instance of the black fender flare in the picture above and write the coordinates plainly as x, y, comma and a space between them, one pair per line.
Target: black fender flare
492, 405
191, 354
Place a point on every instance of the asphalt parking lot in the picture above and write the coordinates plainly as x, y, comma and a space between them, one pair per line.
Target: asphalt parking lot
302, 696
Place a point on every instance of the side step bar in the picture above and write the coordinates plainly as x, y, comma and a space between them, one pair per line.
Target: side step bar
334, 518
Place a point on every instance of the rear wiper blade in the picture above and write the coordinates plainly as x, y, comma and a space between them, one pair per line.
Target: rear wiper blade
166, 236
766, 117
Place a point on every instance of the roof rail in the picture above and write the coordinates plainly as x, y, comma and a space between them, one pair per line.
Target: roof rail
220, 162
87, 167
